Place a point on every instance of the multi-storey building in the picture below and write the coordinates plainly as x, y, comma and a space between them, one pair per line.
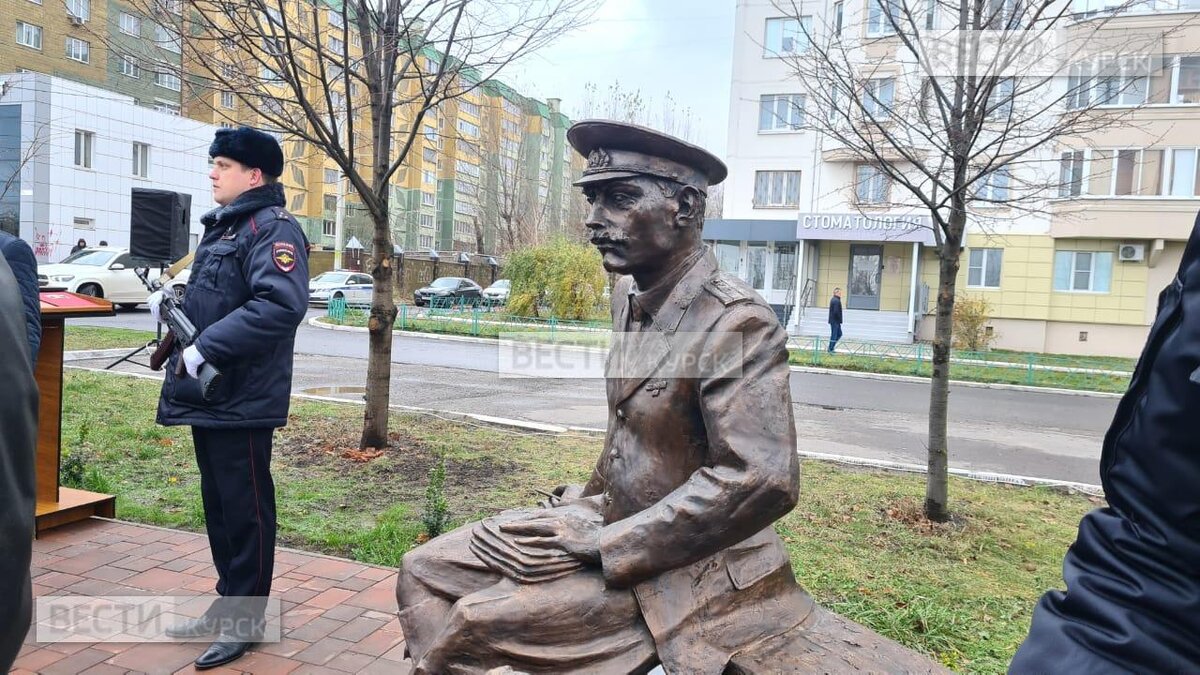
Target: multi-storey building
1077, 273
439, 194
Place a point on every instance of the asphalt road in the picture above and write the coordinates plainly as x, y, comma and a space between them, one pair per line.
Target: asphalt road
1045, 435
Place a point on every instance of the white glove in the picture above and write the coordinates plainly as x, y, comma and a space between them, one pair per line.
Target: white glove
192, 360
155, 302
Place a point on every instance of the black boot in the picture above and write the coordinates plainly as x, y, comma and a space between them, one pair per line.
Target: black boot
224, 649
194, 628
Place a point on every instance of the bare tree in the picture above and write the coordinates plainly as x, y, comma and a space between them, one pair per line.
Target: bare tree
514, 207
41, 136
617, 103
944, 122
355, 80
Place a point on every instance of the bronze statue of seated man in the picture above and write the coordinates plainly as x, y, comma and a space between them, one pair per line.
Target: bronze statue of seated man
667, 555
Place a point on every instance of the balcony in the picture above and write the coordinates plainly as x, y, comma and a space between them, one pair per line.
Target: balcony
1124, 218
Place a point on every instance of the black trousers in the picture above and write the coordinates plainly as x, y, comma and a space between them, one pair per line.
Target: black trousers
239, 513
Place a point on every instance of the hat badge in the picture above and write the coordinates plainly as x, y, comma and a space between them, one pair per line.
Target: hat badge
598, 159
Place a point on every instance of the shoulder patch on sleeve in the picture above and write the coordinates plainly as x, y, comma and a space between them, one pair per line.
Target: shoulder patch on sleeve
283, 253
725, 291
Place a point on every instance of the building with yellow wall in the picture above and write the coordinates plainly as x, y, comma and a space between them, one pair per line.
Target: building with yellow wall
1078, 272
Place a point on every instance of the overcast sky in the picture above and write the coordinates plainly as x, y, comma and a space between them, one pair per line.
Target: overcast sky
681, 46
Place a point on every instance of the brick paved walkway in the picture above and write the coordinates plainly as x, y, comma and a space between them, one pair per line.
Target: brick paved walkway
338, 615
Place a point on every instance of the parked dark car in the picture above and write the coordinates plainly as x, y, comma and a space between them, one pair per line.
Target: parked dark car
447, 289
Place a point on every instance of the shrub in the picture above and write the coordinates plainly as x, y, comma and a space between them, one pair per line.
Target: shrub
436, 516
564, 276
971, 316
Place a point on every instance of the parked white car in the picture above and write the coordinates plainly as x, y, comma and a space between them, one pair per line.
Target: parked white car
497, 293
101, 272
356, 288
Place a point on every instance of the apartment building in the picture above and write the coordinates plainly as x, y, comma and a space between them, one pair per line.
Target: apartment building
1079, 274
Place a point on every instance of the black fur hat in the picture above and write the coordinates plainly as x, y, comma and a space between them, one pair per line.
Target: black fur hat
254, 148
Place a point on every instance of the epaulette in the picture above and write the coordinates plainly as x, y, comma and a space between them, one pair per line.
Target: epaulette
726, 292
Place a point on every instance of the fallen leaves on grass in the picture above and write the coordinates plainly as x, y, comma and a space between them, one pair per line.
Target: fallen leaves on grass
361, 456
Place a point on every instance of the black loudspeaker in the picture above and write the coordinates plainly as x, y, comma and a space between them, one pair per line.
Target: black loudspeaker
158, 226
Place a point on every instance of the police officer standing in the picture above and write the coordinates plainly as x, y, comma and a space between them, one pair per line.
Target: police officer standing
247, 294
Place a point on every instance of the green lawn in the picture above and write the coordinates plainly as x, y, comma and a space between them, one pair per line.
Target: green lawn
95, 337
961, 592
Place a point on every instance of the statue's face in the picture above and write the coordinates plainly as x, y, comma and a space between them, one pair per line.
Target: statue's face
633, 224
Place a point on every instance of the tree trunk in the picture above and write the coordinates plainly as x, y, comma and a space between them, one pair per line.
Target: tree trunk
937, 498
379, 326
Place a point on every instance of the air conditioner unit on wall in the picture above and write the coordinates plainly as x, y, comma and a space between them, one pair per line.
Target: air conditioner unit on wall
1131, 252
75, 20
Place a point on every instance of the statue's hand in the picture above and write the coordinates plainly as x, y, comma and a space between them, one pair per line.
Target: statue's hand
572, 534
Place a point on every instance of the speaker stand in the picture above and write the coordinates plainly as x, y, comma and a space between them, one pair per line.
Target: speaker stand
151, 345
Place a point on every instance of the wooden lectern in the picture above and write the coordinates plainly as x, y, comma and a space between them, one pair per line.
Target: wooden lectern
61, 505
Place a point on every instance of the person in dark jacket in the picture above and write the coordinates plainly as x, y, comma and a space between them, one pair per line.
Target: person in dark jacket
1133, 595
835, 319
247, 294
79, 246
18, 446
24, 268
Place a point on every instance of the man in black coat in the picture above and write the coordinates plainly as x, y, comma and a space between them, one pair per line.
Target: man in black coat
18, 446
24, 268
835, 319
247, 294
1133, 595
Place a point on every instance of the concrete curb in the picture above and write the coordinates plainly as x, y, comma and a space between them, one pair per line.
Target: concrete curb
796, 369
554, 429
89, 354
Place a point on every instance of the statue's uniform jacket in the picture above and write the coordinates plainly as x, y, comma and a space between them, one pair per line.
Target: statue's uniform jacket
694, 471
1133, 589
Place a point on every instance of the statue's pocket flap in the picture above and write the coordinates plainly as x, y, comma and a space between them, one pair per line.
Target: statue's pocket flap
748, 566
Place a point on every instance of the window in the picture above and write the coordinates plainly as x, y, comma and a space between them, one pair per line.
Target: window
983, 267
426, 241
336, 19
466, 167
1186, 87
878, 98
83, 148
784, 277
331, 176
881, 16
994, 186
167, 38
166, 107
269, 76
130, 68
329, 202
427, 199
430, 133
468, 128
780, 112
130, 24
776, 189
1125, 172
1000, 99
871, 186
337, 46
931, 15
428, 178
29, 35
426, 220
167, 80
1121, 90
1070, 174
80, 9
141, 160
1089, 271
466, 189
227, 99
356, 39
469, 108
172, 6
1079, 87
510, 126
728, 254
429, 155
838, 13
86, 224
510, 107
78, 50
329, 228
787, 36
1183, 177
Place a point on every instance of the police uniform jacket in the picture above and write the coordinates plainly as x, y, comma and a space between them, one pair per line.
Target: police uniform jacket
247, 294
1133, 592
695, 470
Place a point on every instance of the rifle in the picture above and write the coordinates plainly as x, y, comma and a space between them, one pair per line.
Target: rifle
181, 331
